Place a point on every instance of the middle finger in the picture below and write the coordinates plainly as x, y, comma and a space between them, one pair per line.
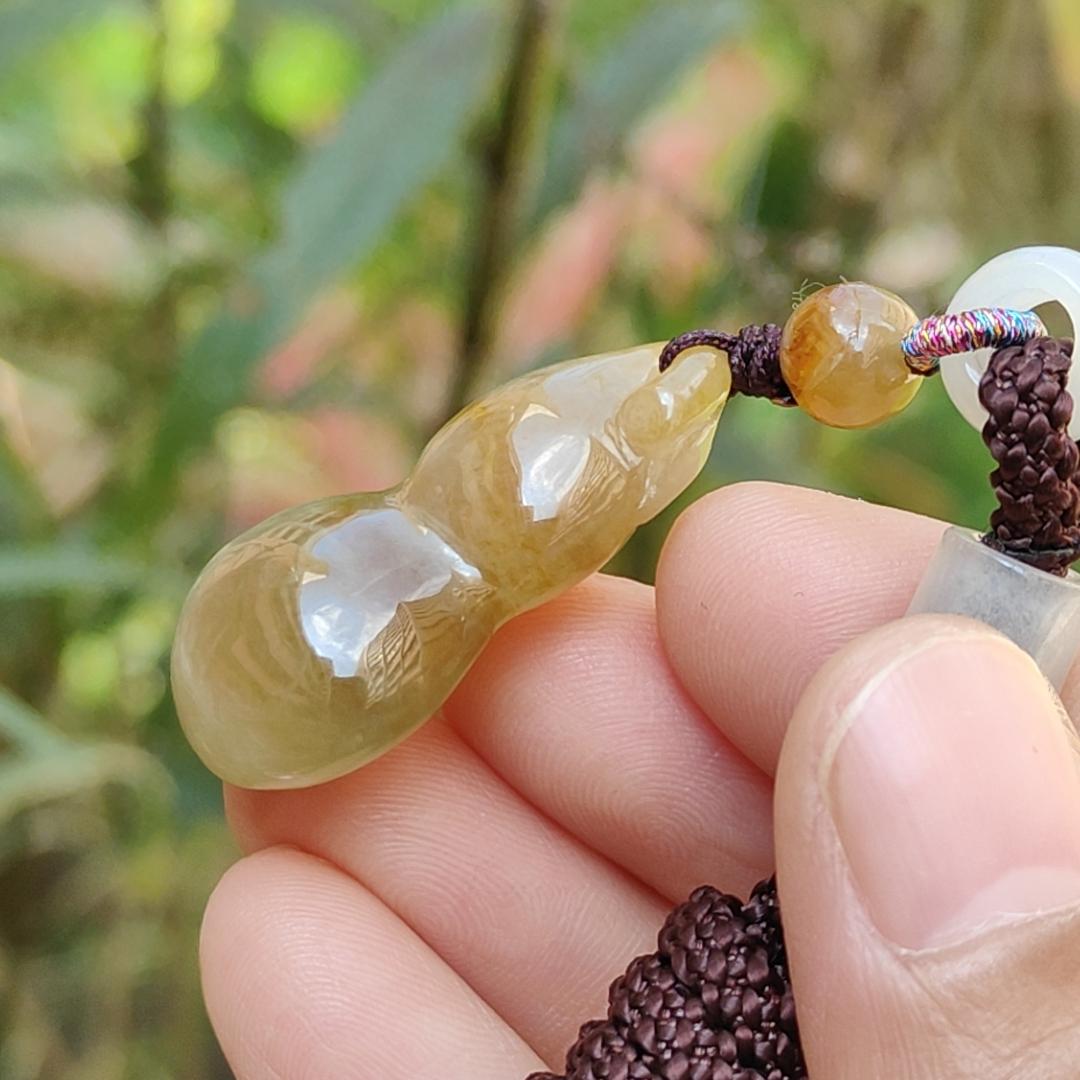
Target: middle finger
576, 706
536, 923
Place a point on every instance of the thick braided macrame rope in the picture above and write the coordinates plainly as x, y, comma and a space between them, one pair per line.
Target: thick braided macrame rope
713, 1002
1024, 390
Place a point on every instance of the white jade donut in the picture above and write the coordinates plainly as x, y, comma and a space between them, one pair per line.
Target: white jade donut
1020, 279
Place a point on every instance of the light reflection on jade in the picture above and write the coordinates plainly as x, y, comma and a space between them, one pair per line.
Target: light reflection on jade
319, 639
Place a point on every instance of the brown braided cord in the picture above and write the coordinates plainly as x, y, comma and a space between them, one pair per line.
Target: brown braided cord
1024, 389
712, 1003
754, 355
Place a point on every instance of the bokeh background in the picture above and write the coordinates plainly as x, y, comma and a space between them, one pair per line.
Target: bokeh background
253, 252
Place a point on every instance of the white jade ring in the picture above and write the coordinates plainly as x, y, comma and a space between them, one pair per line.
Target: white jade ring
1021, 279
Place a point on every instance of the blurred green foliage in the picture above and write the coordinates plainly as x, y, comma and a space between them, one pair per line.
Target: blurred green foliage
250, 251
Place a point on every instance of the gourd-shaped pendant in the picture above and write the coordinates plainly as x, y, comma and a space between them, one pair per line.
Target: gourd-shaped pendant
319, 639
323, 636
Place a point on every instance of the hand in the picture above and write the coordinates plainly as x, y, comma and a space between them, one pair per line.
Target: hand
458, 908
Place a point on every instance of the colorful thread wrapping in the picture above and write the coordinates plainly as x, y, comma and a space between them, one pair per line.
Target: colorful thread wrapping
981, 328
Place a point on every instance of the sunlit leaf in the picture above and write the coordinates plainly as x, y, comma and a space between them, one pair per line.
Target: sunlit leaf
192, 28
624, 83
90, 671
340, 203
303, 70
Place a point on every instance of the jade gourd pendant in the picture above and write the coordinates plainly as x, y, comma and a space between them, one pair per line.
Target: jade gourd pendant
322, 637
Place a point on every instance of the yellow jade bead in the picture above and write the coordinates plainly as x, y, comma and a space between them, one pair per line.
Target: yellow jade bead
319, 639
840, 355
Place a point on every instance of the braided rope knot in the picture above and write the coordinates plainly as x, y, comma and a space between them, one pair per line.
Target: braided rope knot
753, 353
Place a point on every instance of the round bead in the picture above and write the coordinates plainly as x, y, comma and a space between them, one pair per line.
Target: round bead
1021, 279
841, 356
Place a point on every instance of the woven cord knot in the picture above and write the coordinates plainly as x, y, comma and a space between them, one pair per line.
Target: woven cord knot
754, 355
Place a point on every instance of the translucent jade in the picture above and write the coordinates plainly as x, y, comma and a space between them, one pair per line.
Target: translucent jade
1026, 278
841, 357
1040, 612
319, 639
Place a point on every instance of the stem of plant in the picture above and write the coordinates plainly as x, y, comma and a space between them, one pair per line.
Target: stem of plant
506, 160
155, 335
151, 196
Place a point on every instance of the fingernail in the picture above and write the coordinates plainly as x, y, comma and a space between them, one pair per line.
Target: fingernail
955, 791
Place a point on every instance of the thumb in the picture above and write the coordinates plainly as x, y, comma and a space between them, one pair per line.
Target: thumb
928, 853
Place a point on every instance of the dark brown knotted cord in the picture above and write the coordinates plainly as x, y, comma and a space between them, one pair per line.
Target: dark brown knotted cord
712, 1003
753, 353
1024, 389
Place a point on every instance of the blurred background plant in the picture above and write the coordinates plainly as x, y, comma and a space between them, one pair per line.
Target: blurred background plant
254, 251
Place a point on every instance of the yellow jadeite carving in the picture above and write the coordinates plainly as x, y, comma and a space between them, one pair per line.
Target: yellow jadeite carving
319, 639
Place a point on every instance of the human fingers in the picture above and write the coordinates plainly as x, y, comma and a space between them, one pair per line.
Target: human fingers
531, 919
308, 976
759, 584
577, 708
928, 844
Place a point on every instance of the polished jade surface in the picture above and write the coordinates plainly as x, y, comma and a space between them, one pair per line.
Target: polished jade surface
325, 635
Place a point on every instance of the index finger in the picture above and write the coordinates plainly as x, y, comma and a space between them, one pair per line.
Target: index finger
759, 584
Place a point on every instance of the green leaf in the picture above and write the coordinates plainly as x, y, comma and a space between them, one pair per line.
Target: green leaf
23, 510
24, 727
51, 568
28, 26
341, 202
363, 21
624, 84
42, 764
68, 769
783, 187
303, 71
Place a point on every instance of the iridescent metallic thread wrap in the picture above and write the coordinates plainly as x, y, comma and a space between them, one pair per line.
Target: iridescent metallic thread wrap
965, 331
